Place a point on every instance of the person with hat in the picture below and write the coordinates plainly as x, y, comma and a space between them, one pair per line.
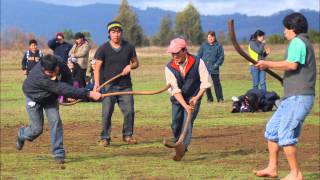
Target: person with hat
60, 47
112, 58
80, 54
189, 79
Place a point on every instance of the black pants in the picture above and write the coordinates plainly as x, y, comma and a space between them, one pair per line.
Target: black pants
217, 89
83, 77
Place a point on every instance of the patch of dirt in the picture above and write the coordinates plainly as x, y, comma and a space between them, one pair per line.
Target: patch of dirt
224, 141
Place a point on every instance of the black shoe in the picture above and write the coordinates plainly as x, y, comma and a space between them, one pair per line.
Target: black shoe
19, 143
210, 100
59, 160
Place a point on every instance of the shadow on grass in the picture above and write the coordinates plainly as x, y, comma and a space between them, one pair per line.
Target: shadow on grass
126, 153
220, 155
216, 136
106, 156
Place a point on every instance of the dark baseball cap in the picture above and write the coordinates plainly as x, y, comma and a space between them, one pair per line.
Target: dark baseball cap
78, 35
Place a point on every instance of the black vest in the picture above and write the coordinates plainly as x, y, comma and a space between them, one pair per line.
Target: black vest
190, 84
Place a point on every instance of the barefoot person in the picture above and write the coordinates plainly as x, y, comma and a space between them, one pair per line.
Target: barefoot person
283, 129
41, 89
189, 79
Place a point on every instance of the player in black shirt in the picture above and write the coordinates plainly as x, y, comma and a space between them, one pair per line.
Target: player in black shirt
114, 57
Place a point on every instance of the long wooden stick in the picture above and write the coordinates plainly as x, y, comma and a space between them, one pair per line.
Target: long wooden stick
235, 44
183, 134
136, 92
101, 86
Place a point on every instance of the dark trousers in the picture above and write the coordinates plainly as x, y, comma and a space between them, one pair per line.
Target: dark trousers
83, 77
217, 89
126, 105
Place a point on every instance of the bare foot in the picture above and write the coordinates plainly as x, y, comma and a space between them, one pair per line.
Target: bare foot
267, 172
290, 176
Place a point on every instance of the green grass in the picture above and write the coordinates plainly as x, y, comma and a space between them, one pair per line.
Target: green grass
149, 160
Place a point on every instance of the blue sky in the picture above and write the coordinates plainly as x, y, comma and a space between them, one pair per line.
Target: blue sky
209, 7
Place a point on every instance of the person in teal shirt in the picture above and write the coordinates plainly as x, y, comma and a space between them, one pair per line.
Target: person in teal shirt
284, 127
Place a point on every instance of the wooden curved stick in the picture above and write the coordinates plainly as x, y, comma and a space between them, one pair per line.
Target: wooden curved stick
183, 134
136, 92
69, 103
110, 80
233, 39
101, 86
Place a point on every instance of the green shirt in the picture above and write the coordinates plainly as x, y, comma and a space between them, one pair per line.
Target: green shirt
297, 51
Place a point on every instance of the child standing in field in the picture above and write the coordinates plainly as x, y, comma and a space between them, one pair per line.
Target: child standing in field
283, 129
31, 57
75, 71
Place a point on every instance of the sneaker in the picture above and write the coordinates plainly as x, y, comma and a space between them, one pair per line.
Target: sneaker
129, 140
59, 160
104, 142
19, 143
210, 101
235, 99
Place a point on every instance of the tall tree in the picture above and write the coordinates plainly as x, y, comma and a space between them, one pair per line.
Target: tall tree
188, 25
221, 37
68, 35
132, 31
166, 32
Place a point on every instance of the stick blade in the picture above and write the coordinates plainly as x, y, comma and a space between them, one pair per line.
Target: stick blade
169, 144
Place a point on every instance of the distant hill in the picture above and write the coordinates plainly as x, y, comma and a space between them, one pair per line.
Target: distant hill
46, 19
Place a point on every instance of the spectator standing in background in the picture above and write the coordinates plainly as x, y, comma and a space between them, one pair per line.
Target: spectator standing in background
212, 53
31, 57
258, 52
60, 47
80, 51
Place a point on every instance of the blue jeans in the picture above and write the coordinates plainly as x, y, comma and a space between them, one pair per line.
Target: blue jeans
126, 105
284, 127
258, 78
35, 129
179, 116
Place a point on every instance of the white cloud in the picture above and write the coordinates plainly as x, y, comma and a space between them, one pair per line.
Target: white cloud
210, 7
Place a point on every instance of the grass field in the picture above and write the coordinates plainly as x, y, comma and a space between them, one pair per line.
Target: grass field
225, 145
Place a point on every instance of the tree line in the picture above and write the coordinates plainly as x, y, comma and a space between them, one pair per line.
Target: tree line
187, 25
